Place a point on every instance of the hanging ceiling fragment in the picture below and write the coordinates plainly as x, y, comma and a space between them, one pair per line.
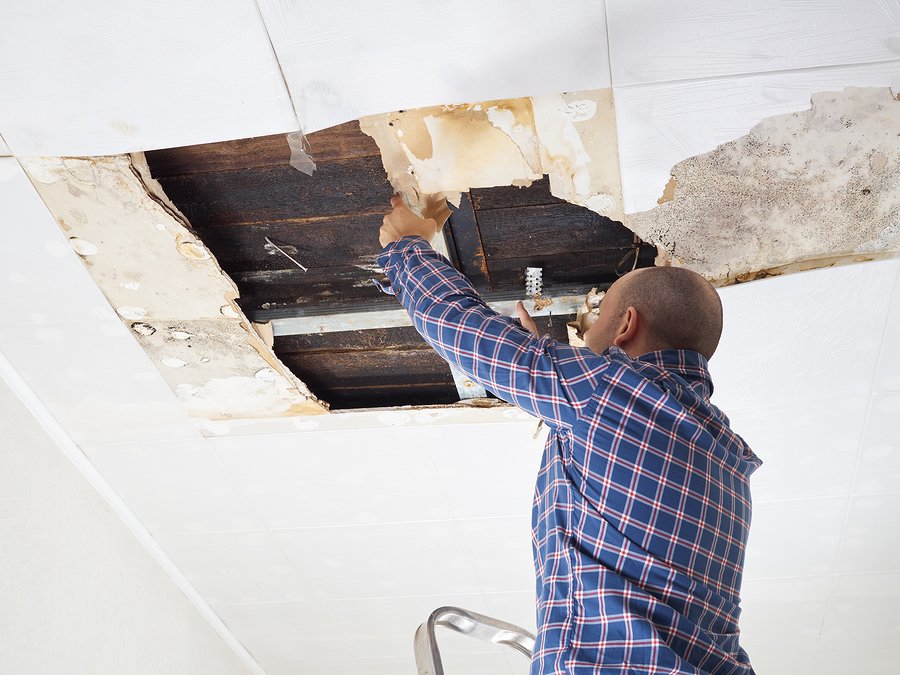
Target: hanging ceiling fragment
803, 187
167, 289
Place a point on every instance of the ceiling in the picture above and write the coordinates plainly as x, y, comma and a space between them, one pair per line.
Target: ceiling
312, 537
243, 198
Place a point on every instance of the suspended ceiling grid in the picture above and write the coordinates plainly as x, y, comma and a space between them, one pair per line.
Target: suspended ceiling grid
806, 617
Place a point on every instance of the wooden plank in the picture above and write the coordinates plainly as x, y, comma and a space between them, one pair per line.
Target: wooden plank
266, 194
556, 229
343, 141
331, 241
509, 196
466, 246
406, 337
360, 378
582, 268
328, 288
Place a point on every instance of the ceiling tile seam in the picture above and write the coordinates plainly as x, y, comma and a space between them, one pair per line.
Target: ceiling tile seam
284, 81
118, 506
373, 598
443, 489
275, 540
742, 76
792, 577
859, 443
892, 313
789, 401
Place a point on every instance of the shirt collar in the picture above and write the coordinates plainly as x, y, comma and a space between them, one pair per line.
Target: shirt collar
689, 365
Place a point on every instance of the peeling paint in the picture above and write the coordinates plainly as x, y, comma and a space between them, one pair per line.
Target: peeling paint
444, 150
807, 186
183, 310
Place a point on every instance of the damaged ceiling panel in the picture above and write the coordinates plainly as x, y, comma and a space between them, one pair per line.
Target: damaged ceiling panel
167, 289
262, 219
800, 187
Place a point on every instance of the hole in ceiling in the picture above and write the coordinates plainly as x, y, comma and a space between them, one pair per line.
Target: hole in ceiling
302, 252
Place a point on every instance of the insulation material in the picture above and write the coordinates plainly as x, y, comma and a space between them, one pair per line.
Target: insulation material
804, 186
167, 288
442, 151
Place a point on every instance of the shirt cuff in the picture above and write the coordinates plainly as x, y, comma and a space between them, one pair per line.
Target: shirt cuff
394, 254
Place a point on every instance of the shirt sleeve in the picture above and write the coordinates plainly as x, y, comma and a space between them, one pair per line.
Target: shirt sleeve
548, 379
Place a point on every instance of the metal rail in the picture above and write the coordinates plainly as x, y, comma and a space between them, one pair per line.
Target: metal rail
478, 626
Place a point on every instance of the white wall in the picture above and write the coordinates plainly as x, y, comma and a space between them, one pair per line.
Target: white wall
78, 593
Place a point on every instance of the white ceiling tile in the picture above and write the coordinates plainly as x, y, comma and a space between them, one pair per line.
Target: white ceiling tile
377, 560
518, 608
489, 470
787, 338
792, 539
233, 567
843, 657
347, 665
348, 59
653, 41
4, 148
878, 469
500, 549
871, 540
863, 607
808, 449
97, 382
781, 657
338, 478
383, 627
275, 632
42, 280
888, 375
103, 80
173, 487
782, 608
493, 663
660, 125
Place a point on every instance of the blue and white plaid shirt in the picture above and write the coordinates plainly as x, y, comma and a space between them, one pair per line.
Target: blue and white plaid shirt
642, 506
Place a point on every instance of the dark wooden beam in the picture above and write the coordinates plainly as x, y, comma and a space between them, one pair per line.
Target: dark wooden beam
465, 243
343, 141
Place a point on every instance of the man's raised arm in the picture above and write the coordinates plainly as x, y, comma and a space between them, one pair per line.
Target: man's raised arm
547, 379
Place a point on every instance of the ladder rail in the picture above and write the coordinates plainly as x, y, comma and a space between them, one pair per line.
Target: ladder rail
472, 624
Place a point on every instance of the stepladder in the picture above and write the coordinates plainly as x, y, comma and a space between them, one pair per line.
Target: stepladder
470, 624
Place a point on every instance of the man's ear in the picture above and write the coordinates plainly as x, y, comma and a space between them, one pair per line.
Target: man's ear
628, 328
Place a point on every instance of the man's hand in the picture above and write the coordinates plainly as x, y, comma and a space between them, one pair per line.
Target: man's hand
526, 320
401, 222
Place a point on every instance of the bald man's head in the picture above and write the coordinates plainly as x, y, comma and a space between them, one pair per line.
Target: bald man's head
676, 309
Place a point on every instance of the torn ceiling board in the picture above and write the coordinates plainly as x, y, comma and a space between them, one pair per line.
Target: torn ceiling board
450, 149
167, 288
94, 81
801, 186
659, 41
345, 60
660, 125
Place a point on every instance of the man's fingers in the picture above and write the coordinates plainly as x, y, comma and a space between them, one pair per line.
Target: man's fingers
525, 318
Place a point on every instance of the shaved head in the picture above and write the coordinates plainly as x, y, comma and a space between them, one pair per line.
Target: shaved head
678, 309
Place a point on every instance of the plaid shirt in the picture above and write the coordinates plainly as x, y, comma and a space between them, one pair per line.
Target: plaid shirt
642, 506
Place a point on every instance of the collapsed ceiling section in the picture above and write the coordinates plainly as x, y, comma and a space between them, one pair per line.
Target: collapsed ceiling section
302, 249
294, 324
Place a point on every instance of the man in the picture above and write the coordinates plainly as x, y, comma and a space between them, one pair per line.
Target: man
642, 505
